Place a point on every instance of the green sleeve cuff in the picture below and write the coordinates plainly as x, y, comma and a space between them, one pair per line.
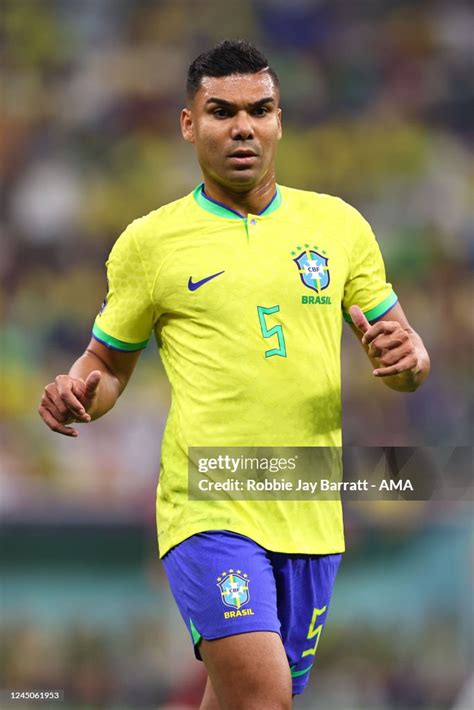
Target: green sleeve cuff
377, 312
115, 343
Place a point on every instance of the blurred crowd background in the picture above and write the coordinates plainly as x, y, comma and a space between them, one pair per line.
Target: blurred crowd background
377, 100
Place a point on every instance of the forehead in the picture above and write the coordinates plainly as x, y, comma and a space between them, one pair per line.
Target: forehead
237, 88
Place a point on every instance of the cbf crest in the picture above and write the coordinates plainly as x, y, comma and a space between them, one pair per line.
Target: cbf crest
234, 588
312, 267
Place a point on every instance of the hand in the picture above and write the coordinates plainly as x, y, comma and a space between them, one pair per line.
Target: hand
390, 343
68, 400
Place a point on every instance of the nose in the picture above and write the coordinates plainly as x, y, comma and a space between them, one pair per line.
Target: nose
242, 128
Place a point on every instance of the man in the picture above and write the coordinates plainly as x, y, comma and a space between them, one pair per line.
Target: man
246, 285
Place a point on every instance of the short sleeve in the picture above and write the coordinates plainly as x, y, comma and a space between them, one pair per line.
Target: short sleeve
366, 285
126, 318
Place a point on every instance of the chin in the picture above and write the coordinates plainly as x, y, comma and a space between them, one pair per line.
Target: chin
242, 179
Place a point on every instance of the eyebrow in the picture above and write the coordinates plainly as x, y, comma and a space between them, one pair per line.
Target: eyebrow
229, 104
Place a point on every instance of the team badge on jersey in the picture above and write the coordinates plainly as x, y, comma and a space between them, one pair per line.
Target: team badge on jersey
313, 268
234, 588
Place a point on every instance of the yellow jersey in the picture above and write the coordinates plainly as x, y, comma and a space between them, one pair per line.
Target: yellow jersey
247, 313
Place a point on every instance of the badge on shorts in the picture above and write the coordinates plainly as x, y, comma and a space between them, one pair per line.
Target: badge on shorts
234, 588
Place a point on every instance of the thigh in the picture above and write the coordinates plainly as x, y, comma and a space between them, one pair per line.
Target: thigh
223, 584
209, 699
304, 588
249, 671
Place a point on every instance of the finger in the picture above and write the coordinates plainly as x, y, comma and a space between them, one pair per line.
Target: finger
67, 414
404, 365
389, 341
391, 357
359, 319
53, 424
61, 413
92, 383
64, 384
382, 327
51, 394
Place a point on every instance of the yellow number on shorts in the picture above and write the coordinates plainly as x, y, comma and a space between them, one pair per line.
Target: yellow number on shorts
314, 631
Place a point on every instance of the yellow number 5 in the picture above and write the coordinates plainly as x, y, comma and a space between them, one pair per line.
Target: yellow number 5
314, 632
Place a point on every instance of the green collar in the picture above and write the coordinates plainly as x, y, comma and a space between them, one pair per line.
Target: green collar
220, 210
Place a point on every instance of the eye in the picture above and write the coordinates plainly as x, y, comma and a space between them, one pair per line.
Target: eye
220, 113
261, 110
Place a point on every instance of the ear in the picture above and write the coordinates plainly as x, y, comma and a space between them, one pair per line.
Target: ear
187, 125
279, 123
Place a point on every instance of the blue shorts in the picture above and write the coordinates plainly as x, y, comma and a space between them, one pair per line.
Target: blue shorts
226, 584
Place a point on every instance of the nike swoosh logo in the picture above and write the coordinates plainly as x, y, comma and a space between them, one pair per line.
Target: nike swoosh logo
194, 285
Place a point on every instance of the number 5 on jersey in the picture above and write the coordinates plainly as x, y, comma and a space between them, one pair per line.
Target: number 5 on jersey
274, 330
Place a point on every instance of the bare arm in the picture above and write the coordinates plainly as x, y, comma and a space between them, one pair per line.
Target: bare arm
395, 350
94, 383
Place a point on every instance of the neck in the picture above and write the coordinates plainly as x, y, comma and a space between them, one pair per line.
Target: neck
252, 201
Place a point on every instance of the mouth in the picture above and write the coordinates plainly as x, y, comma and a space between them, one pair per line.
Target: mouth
243, 157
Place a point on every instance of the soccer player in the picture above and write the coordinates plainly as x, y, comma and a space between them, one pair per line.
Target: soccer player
246, 285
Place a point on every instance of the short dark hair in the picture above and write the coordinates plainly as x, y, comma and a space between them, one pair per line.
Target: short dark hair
226, 58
